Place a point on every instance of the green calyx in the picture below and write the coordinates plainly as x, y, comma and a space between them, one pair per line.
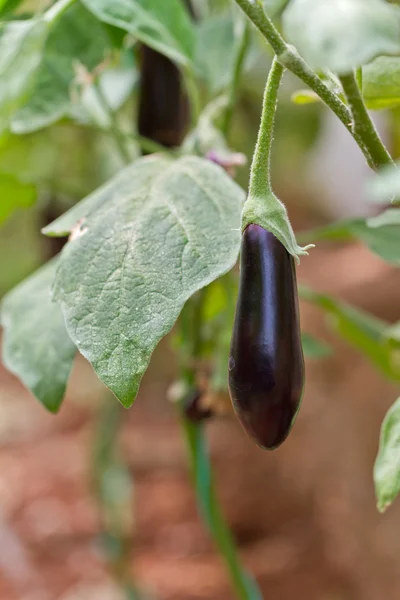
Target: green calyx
270, 213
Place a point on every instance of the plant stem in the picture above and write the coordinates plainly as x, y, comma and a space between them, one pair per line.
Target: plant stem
57, 10
201, 470
237, 71
244, 586
119, 138
362, 124
289, 58
259, 186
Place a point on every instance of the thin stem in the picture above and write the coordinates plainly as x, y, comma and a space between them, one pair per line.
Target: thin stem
362, 124
57, 10
201, 470
244, 586
114, 129
289, 57
259, 186
237, 72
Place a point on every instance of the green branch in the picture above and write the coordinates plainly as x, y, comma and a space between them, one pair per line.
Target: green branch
289, 58
362, 124
244, 586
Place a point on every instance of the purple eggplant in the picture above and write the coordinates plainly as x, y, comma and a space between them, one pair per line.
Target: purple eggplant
266, 365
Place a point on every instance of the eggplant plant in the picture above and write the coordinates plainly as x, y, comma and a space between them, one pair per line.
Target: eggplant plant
154, 242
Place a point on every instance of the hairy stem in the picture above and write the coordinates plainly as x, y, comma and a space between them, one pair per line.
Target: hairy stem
362, 124
289, 58
259, 186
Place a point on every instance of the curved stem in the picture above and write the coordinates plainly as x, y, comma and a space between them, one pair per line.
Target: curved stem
259, 186
362, 123
289, 57
237, 71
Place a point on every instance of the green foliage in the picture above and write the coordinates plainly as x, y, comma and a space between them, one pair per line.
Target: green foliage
381, 234
360, 329
21, 46
314, 348
52, 95
381, 83
341, 35
36, 346
387, 464
14, 195
164, 26
149, 247
215, 51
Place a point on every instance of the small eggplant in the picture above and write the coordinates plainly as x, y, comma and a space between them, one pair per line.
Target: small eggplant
193, 409
266, 365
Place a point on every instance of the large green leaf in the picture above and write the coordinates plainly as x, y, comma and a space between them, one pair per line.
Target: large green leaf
162, 234
36, 346
381, 83
77, 38
362, 330
162, 25
21, 46
215, 51
14, 194
387, 464
381, 234
342, 34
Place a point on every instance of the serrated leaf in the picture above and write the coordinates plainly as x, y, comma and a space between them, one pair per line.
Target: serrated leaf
14, 194
381, 83
387, 464
385, 186
164, 26
77, 38
362, 330
21, 45
341, 35
314, 348
36, 346
136, 260
381, 235
215, 51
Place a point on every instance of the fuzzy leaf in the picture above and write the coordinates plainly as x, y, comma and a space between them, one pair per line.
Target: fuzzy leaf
155, 238
36, 346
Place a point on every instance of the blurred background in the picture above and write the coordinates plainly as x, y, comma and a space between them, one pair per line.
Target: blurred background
96, 496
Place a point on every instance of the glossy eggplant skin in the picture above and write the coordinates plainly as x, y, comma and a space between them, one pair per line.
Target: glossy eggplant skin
163, 107
266, 365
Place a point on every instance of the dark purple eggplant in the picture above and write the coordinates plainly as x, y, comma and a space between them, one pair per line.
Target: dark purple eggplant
266, 365
163, 105
192, 408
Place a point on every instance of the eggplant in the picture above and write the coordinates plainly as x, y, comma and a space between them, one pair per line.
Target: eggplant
192, 408
266, 364
163, 106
